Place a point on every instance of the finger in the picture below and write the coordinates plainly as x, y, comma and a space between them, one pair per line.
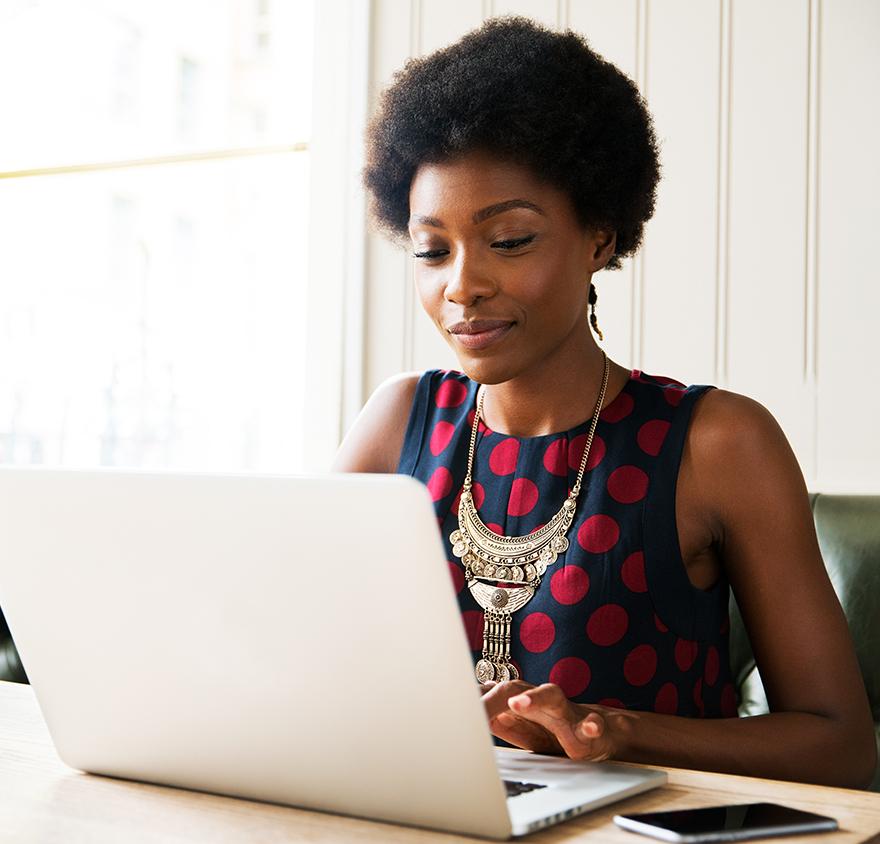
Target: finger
495, 700
547, 698
579, 735
590, 728
524, 734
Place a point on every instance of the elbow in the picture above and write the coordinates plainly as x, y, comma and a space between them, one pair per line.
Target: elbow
867, 770
862, 755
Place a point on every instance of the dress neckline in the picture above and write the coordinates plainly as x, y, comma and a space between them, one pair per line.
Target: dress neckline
582, 427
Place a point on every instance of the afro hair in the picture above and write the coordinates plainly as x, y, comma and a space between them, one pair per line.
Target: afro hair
529, 95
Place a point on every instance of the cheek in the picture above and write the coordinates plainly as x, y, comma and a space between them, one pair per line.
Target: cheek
552, 292
429, 289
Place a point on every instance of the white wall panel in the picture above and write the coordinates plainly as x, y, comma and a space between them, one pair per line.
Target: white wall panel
388, 295
680, 249
768, 194
445, 21
543, 11
849, 217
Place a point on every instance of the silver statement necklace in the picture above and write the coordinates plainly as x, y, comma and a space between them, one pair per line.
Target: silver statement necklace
504, 572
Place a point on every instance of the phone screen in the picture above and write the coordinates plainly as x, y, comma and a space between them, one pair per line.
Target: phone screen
746, 820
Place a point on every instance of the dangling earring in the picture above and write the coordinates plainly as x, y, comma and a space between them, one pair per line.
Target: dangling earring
593, 321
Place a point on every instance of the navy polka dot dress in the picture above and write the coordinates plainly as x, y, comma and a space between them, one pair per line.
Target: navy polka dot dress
615, 620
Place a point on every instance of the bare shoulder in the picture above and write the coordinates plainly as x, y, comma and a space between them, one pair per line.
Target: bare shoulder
743, 465
726, 423
729, 431
374, 442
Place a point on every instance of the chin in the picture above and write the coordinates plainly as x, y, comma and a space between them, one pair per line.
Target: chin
487, 370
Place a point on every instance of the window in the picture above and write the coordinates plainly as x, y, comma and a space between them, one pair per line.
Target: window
154, 204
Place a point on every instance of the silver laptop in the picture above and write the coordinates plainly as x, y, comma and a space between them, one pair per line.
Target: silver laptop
286, 639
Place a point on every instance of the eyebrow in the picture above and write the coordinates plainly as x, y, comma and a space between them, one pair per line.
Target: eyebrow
483, 213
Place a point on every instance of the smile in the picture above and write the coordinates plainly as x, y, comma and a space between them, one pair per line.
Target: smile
477, 336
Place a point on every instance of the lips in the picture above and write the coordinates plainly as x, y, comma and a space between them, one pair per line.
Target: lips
480, 333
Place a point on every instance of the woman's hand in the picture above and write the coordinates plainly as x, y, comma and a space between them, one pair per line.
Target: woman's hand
542, 719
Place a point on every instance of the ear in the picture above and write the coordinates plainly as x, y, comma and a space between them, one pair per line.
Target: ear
604, 242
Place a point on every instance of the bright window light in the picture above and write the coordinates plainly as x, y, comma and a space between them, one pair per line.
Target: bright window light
153, 202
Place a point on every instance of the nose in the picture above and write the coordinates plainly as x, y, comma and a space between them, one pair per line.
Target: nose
468, 281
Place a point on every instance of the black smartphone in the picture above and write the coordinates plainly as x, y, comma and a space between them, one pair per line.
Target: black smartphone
725, 823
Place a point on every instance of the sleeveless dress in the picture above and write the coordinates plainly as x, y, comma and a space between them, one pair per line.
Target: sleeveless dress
615, 620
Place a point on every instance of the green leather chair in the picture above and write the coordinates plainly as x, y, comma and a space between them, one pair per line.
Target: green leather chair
849, 536
10, 664
848, 527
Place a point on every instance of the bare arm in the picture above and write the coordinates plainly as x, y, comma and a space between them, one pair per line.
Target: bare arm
819, 728
374, 442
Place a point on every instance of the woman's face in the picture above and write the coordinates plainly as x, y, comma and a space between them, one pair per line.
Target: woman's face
502, 265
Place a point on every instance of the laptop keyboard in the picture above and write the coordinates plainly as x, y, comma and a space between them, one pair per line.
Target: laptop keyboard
516, 788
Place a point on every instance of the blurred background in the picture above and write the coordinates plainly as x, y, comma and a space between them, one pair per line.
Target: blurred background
187, 275
154, 226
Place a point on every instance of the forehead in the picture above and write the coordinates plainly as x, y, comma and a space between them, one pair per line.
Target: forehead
467, 184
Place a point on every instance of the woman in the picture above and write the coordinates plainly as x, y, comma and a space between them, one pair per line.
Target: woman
519, 163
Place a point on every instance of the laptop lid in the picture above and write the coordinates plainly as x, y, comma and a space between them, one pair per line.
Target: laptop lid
288, 639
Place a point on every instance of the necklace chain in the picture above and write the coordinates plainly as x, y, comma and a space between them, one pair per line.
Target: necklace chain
575, 490
517, 561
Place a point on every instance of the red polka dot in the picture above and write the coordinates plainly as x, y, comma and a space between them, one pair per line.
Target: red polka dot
440, 483
712, 666
572, 675
698, 697
640, 665
457, 577
667, 699
685, 653
619, 409
473, 625
576, 452
569, 584
495, 528
613, 702
659, 624
478, 494
523, 497
728, 701
441, 437
673, 395
632, 572
651, 435
450, 393
627, 484
537, 632
598, 534
608, 625
556, 458
502, 460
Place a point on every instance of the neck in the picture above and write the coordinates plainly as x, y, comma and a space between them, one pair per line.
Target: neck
557, 394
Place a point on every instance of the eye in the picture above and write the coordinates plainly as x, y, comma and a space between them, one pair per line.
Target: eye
513, 243
430, 254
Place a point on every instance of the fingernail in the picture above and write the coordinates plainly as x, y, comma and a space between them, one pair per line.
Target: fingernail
588, 728
520, 700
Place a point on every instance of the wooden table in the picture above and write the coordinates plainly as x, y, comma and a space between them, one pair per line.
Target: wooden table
42, 800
